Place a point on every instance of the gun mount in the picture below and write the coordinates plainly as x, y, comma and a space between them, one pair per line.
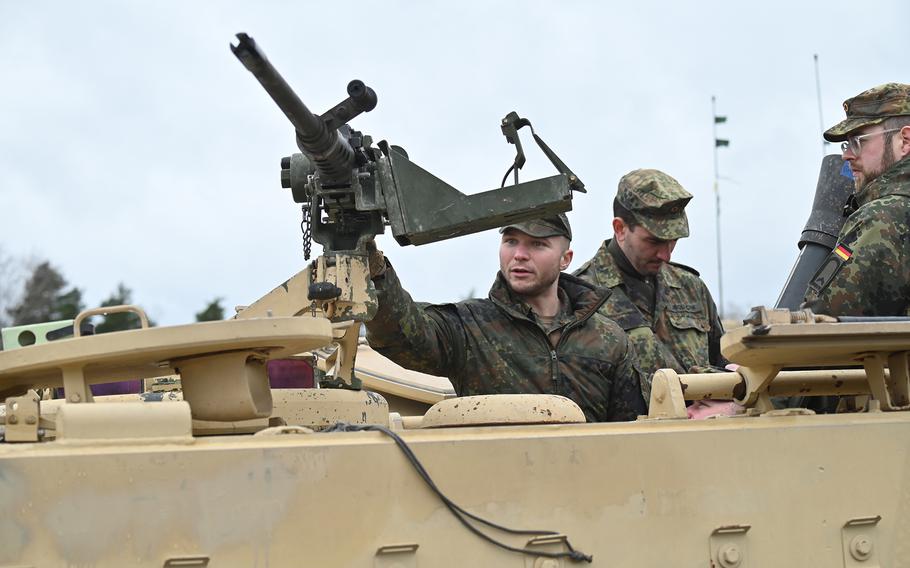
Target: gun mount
360, 188
350, 190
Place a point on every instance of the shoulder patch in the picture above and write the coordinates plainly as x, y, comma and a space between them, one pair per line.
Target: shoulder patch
843, 252
686, 268
829, 269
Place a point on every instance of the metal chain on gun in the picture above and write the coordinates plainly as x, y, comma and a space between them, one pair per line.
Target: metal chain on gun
459, 513
307, 245
305, 229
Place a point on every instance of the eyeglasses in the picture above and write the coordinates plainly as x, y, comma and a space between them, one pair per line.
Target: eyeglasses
854, 143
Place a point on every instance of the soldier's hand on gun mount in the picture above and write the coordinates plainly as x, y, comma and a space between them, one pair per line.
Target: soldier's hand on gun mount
376, 259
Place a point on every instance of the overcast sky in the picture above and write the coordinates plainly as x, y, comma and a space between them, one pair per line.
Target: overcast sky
135, 148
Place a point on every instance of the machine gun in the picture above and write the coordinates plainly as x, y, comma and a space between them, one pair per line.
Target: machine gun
360, 188
350, 190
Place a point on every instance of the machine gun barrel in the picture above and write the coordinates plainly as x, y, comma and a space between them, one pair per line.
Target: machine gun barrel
330, 152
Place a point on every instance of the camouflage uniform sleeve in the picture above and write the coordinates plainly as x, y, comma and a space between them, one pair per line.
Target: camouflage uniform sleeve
421, 337
626, 400
866, 273
715, 333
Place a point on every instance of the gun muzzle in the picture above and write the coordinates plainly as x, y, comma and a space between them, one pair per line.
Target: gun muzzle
329, 151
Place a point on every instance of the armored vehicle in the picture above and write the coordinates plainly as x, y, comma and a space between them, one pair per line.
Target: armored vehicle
230, 472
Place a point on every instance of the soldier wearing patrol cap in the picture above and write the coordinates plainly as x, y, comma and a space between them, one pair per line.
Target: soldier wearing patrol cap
664, 307
868, 272
538, 331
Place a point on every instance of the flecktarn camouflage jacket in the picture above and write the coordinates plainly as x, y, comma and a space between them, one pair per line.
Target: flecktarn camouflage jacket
868, 272
685, 334
495, 346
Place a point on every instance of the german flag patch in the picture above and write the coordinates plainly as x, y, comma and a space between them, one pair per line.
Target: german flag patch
829, 269
843, 252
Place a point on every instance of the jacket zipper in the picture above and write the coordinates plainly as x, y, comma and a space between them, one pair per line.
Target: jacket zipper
554, 360
554, 366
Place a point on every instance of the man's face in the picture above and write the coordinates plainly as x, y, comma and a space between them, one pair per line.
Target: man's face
646, 252
876, 154
531, 265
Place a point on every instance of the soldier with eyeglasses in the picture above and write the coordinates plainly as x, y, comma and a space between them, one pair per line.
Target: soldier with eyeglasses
868, 271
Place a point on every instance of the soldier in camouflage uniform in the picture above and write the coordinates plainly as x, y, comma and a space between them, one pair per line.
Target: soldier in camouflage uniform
868, 272
664, 307
537, 332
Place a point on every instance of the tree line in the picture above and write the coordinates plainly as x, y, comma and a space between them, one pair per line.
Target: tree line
44, 295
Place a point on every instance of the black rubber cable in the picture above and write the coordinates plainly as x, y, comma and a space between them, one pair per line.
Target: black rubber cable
456, 510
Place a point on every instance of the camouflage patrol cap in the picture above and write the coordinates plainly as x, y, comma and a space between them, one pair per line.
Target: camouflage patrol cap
557, 225
871, 107
657, 201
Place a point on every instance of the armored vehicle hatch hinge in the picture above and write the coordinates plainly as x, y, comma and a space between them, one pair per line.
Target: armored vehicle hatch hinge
22, 418
858, 536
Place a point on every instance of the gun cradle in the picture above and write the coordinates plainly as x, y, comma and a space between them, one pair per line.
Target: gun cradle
422, 208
